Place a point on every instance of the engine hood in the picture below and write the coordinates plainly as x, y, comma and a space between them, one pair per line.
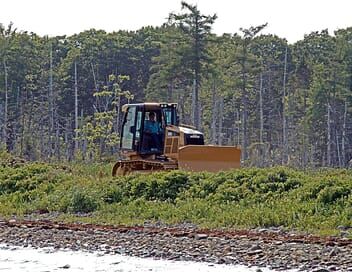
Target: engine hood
187, 130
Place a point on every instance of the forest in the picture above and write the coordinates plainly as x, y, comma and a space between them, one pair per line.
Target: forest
284, 104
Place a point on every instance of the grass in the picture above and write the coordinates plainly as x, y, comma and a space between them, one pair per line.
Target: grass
317, 201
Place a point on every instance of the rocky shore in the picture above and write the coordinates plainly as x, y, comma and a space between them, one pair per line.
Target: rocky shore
272, 248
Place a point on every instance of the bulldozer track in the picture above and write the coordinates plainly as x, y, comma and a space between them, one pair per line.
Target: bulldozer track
126, 167
182, 232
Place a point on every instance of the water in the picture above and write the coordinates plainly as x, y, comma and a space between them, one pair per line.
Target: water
47, 259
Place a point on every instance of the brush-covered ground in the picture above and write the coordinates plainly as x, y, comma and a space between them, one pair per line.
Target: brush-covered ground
314, 201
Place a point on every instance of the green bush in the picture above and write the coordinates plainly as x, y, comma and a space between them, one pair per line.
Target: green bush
331, 194
7, 160
82, 202
113, 195
157, 186
311, 200
25, 178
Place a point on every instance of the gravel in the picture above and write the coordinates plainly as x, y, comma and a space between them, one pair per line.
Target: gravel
246, 250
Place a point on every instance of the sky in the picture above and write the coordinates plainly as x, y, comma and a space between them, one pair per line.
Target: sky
290, 19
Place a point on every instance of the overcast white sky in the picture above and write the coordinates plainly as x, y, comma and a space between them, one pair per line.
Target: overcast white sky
289, 19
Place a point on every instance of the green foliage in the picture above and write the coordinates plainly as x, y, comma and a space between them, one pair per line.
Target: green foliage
8, 160
82, 202
180, 62
315, 201
161, 187
99, 131
331, 194
26, 178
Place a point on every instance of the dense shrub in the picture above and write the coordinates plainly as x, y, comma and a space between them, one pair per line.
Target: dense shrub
7, 160
332, 193
113, 195
255, 185
253, 197
157, 186
82, 202
26, 178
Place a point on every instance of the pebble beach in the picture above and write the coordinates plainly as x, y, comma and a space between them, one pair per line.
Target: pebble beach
263, 248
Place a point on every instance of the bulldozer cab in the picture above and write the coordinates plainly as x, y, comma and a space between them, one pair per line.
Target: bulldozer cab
143, 127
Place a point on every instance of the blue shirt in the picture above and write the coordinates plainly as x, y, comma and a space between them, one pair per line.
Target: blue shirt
152, 127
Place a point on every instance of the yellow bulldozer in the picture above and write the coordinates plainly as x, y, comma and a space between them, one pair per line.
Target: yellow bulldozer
152, 140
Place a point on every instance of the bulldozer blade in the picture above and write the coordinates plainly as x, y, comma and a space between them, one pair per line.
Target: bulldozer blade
209, 158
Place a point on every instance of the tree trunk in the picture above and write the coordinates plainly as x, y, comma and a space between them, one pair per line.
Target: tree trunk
84, 144
66, 139
328, 154
305, 134
95, 106
244, 100
338, 149
245, 129
261, 109
51, 106
76, 110
234, 125
22, 116
194, 104
94, 78
284, 121
262, 155
181, 105
199, 115
237, 117
5, 107
57, 142
221, 119
343, 148
42, 144
118, 114
197, 71
214, 115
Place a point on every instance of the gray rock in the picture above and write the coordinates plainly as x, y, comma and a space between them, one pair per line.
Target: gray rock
250, 251
335, 251
255, 247
254, 252
200, 236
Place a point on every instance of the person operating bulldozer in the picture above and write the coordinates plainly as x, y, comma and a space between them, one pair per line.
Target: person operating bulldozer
152, 128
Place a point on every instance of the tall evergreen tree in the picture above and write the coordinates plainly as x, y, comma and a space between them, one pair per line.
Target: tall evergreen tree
196, 28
